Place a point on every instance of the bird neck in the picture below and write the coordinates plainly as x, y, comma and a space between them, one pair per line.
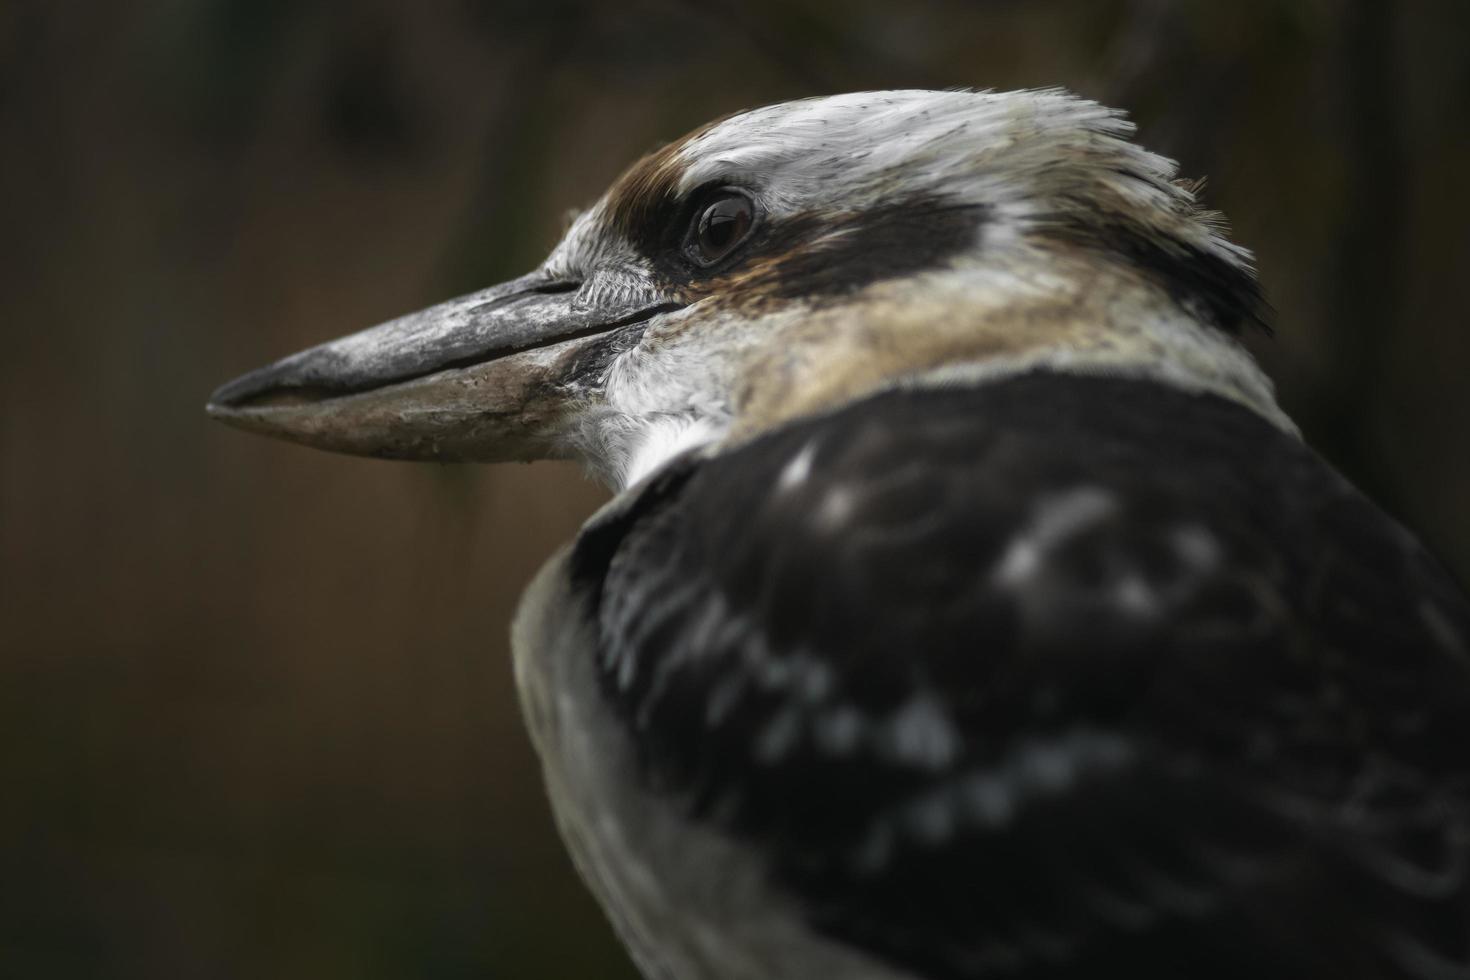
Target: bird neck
707, 380
982, 321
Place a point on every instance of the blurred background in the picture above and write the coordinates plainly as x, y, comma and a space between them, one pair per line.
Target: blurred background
256, 711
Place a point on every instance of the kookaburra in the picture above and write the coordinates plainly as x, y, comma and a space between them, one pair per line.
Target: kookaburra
968, 607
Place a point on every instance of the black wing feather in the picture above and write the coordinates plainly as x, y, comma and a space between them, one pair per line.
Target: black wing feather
1056, 677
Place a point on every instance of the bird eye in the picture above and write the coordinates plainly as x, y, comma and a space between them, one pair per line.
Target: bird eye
719, 227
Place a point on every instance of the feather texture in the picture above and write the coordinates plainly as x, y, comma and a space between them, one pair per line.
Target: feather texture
1054, 676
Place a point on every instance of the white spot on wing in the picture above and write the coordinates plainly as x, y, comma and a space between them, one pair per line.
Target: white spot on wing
1057, 519
836, 508
816, 680
794, 473
722, 700
1197, 546
921, 734
1038, 769
627, 670
775, 672
1049, 768
1137, 597
779, 737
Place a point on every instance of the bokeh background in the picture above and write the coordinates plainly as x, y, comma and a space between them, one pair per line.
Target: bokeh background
256, 712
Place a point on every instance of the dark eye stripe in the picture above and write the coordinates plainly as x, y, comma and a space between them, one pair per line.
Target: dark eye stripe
811, 255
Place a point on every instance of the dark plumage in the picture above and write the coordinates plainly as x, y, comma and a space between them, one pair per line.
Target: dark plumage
1215, 725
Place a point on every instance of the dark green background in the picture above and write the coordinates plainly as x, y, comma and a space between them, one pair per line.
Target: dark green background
255, 703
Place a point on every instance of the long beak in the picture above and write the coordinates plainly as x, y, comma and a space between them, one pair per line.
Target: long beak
492, 376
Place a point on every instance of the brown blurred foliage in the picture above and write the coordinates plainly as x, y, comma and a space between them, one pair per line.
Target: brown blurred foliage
255, 705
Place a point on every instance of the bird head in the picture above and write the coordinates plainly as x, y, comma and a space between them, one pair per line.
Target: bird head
784, 261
